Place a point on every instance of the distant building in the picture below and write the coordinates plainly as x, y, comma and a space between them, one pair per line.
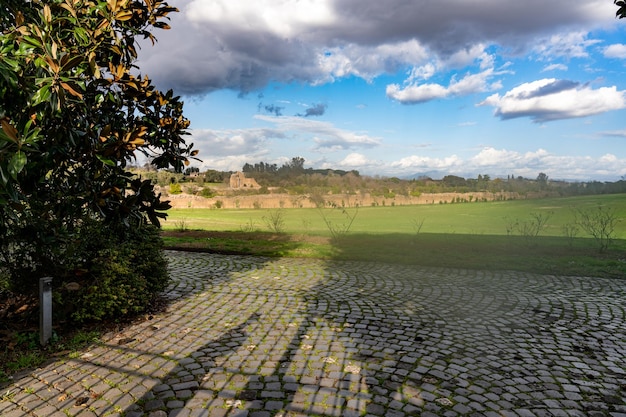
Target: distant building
238, 180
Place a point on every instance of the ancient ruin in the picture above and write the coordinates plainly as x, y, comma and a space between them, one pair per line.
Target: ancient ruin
238, 180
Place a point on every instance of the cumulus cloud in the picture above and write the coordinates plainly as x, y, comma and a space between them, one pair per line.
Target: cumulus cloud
415, 162
526, 164
551, 99
617, 50
225, 44
367, 61
419, 93
529, 164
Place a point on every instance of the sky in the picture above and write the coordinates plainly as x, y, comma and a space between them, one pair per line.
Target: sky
401, 87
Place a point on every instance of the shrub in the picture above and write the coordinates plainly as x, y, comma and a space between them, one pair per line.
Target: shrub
100, 270
206, 192
339, 229
528, 229
125, 269
191, 189
275, 221
599, 223
175, 188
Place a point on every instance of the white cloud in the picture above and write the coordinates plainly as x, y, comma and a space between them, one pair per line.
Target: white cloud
617, 50
565, 45
367, 62
232, 142
468, 56
416, 162
422, 72
419, 93
618, 133
230, 163
551, 99
357, 161
490, 157
555, 67
285, 18
505, 162
416, 93
326, 136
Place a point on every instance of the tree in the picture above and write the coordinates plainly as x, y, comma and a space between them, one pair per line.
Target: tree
74, 114
296, 164
621, 12
542, 180
192, 170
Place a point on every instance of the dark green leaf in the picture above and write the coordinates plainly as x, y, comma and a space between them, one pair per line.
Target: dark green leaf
106, 161
17, 163
42, 95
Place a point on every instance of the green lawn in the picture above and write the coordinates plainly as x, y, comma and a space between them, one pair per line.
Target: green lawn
462, 235
462, 218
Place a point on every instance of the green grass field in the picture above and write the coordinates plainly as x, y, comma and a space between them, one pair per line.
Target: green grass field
463, 235
462, 218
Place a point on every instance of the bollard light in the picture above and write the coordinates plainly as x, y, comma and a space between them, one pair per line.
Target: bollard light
45, 310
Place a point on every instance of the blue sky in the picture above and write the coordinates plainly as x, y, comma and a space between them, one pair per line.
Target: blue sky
401, 87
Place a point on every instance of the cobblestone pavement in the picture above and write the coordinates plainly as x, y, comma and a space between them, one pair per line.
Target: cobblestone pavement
290, 337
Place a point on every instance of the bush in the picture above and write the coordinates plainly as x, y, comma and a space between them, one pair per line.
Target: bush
275, 221
99, 272
175, 188
191, 189
599, 223
124, 271
206, 192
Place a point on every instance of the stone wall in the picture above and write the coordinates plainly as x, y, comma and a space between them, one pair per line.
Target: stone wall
270, 201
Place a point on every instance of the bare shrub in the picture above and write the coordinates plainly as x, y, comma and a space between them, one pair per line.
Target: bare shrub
599, 223
249, 227
181, 225
275, 220
417, 224
341, 228
570, 231
528, 229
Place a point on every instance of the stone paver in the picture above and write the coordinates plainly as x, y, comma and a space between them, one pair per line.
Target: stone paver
248, 336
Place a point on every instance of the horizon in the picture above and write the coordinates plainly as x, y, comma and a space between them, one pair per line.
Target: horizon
417, 176
397, 88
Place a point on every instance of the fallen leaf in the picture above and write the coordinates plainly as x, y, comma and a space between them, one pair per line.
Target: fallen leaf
81, 401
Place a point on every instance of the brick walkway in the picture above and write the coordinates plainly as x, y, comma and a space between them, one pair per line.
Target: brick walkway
290, 337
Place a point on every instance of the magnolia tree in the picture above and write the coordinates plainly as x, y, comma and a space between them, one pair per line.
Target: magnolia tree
74, 112
621, 12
